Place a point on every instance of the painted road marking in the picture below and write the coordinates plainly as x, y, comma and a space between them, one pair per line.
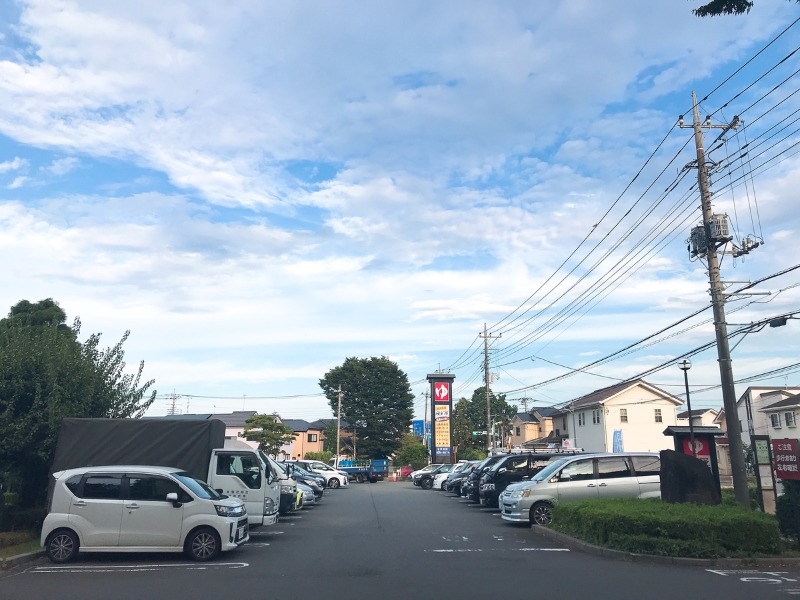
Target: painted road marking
457, 550
134, 568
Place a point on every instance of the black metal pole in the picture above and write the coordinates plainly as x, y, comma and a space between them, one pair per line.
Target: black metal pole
685, 365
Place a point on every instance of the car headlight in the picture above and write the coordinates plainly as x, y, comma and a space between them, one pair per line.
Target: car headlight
224, 510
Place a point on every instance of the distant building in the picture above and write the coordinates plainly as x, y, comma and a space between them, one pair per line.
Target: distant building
629, 416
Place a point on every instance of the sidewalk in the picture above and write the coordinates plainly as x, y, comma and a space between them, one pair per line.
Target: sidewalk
19, 559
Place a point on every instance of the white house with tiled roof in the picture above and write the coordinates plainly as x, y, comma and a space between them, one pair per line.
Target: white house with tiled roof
630, 416
532, 428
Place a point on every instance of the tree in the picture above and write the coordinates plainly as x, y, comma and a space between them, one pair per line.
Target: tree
377, 403
724, 7
411, 452
46, 374
470, 415
270, 433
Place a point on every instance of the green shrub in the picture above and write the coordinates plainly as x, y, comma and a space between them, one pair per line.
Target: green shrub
13, 538
787, 510
656, 527
324, 456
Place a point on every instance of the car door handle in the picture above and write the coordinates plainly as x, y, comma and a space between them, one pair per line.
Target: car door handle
591, 485
133, 506
79, 503
603, 485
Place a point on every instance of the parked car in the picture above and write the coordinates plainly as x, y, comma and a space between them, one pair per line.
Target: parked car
405, 471
139, 509
427, 480
470, 487
333, 478
308, 497
424, 469
442, 474
455, 477
622, 475
510, 469
295, 469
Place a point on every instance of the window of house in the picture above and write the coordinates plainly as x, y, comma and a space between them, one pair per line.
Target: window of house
581, 419
775, 420
659, 419
623, 415
789, 418
312, 437
596, 416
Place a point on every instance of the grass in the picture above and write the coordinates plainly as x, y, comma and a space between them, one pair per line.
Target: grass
12, 544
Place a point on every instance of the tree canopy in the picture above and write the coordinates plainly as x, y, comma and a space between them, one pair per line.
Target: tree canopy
46, 374
377, 403
268, 432
724, 7
470, 415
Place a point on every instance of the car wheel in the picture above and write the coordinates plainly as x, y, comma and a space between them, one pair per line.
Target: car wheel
442, 486
333, 483
360, 478
62, 546
426, 483
541, 513
203, 544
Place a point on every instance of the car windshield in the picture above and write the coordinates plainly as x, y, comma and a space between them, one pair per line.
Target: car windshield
548, 471
198, 488
277, 467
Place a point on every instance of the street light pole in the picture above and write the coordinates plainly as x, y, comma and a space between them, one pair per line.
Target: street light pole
685, 365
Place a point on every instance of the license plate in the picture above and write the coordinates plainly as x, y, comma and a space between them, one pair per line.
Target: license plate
240, 533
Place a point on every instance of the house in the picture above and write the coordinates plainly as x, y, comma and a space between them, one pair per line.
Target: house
752, 419
234, 424
701, 417
308, 437
781, 418
629, 416
533, 428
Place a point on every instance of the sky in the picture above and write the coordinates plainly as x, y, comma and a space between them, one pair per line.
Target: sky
257, 191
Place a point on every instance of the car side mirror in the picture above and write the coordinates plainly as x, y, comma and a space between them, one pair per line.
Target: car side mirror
173, 497
564, 477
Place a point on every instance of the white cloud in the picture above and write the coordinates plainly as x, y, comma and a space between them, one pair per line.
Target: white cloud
13, 165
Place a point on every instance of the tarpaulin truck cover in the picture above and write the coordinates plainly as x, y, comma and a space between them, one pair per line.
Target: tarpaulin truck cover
182, 443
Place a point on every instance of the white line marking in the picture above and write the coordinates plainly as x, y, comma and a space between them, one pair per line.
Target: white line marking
457, 550
135, 568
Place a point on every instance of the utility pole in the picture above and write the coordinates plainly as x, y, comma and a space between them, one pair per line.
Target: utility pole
425, 426
718, 304
339, 426
486, 337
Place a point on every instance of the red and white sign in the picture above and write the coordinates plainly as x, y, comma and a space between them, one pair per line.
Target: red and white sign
441, 391
702, 450
785, 457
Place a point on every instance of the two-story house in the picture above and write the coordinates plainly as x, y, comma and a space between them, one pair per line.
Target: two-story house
533, 428
629, 416
701, 417
308, 437
752, 418
781, 418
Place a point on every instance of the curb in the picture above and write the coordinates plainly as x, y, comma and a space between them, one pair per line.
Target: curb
19, 559
664, 560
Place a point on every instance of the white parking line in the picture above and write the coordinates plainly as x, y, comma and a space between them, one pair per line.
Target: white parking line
135, 567
459, 550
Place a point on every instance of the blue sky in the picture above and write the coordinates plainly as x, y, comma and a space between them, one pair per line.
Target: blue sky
259, 192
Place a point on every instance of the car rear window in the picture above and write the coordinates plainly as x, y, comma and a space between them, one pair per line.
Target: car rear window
647, 465
102, 487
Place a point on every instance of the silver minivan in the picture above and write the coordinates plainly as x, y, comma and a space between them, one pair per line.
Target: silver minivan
139, 509
581, 477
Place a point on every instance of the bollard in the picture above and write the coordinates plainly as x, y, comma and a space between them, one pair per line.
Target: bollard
394, 476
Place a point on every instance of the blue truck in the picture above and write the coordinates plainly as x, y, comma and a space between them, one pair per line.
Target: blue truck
364, 470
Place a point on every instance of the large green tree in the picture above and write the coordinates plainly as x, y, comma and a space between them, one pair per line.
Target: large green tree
724, 7
47, 374
469, 414
377, 403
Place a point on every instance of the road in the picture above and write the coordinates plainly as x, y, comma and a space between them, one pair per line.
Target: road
391, 541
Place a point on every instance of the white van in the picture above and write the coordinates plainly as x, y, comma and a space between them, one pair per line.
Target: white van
139, 509
581, 477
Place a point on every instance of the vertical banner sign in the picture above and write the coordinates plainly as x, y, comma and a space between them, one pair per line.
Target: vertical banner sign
784, 453
441, 411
